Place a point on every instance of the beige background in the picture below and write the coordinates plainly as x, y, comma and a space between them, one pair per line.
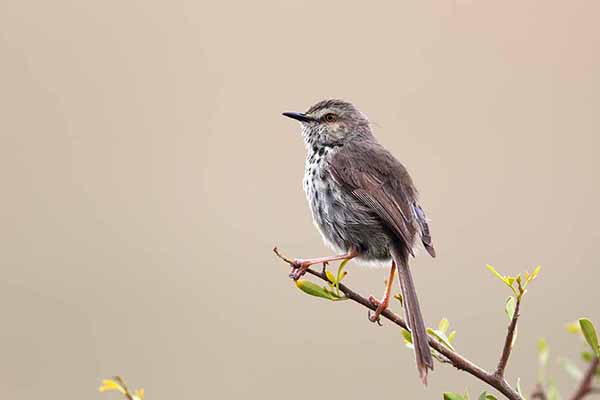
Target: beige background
146, 174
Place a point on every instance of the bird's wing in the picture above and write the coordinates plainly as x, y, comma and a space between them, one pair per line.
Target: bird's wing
381, 183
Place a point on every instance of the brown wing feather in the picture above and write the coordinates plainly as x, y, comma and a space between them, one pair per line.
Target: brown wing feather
388, 210
385, 188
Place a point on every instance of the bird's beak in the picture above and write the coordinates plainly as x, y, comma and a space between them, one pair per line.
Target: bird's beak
298, 116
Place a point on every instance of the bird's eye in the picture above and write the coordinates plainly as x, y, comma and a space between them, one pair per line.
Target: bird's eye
330, 117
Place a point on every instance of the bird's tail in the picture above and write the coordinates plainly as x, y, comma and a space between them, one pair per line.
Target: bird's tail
414, 319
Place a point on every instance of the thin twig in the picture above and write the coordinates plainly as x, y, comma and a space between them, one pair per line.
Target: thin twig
508, 343
585, 386
458, 361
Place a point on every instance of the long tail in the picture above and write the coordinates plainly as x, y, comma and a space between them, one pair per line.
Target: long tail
414, 318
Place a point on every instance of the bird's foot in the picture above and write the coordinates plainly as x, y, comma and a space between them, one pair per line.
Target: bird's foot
299, 268
381, 307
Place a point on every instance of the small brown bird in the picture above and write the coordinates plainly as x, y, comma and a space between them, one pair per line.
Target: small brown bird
365, 205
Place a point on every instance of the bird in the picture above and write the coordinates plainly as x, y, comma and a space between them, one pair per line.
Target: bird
365, 205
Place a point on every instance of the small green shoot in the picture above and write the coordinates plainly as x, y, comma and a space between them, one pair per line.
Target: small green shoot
517, 284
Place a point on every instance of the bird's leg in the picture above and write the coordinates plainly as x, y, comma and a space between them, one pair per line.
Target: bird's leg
383, 304
299, 265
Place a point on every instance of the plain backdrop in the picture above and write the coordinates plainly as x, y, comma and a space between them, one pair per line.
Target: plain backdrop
146, 173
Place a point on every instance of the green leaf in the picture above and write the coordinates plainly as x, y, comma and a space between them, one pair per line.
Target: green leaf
487, 396
536, 271
441, 337
534, 274
330, 277
313, 289
496, 273
510, 280
451, 336
589, 332
499, 276
399, 298
340, 273
571, 369
407, 336
444, 325
510, 307
453, 396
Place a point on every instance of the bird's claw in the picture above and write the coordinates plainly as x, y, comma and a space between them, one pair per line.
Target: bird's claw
376, 316
299, 268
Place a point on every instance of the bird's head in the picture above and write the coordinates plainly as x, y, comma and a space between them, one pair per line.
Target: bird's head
331, 122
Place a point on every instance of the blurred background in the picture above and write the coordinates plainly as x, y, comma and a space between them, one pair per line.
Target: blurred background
147, 173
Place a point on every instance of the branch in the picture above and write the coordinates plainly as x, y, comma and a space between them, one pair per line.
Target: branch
461, 363
585, 386
508, 343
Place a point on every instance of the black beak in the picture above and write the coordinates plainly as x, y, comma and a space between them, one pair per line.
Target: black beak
298, 116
